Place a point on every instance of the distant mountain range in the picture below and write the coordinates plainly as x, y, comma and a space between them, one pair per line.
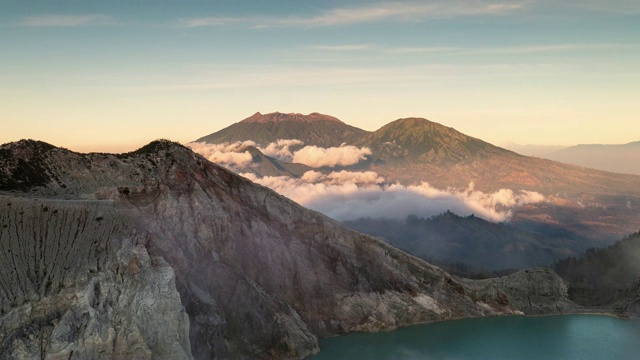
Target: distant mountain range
618, 158
589, 203
480, 245
623, 159
532, 149
433, 152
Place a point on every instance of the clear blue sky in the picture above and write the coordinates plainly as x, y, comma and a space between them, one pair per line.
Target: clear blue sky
113, 75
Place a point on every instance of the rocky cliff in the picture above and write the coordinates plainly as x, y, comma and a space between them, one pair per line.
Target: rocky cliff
258, 275
628, 301
537, 291
77, 282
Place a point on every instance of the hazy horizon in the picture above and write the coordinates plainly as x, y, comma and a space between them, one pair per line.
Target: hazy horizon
95, 76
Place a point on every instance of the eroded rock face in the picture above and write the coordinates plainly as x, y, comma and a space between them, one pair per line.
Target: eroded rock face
77, 282
533, 291
258, 275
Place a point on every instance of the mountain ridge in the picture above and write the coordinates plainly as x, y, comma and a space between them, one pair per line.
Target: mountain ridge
414, 150
419, 139
258, 275
470, 242
313, 129
277, 117
618, 158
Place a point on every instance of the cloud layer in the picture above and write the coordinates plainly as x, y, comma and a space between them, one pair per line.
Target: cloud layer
233, 155
67, 20
287, 150
344, 155
352, 195
349, 195
386, 11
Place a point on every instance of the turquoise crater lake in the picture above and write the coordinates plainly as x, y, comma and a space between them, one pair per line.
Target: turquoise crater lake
569, 337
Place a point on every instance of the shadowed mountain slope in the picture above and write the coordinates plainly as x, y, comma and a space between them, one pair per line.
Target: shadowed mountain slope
600, 274
477, 244
313, 129
263, 165
258, 275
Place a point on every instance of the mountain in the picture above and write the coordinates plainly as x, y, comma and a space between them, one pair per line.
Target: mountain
623, 159
470, 242
263, 165
313, 129
419, 140
589, 203
159, 253
416, 149
531, 149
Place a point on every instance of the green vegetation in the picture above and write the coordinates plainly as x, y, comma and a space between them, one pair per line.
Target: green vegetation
23, 165
156, 146
597, 276
469, 245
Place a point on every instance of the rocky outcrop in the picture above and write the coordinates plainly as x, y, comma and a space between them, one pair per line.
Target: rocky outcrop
77, 283
627, 302
258, 275
535, 291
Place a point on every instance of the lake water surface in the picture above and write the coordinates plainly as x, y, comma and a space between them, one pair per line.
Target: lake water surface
578, 337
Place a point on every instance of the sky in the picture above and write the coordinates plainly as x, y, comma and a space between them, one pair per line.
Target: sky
114, 75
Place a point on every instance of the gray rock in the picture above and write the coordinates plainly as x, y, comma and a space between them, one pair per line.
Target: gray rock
535, 291
258, 275
77, 283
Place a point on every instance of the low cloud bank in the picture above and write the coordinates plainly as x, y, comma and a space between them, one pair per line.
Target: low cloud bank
344, 176
229, 154
281, 149
344, 155
349, 196
288, 150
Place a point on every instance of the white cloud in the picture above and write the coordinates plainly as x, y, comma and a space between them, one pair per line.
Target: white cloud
281, 149
284, 150
509, 50
351, 47
344, 155
349, 195
229, 154
344, 176
342, 198
67, 20
387, 11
